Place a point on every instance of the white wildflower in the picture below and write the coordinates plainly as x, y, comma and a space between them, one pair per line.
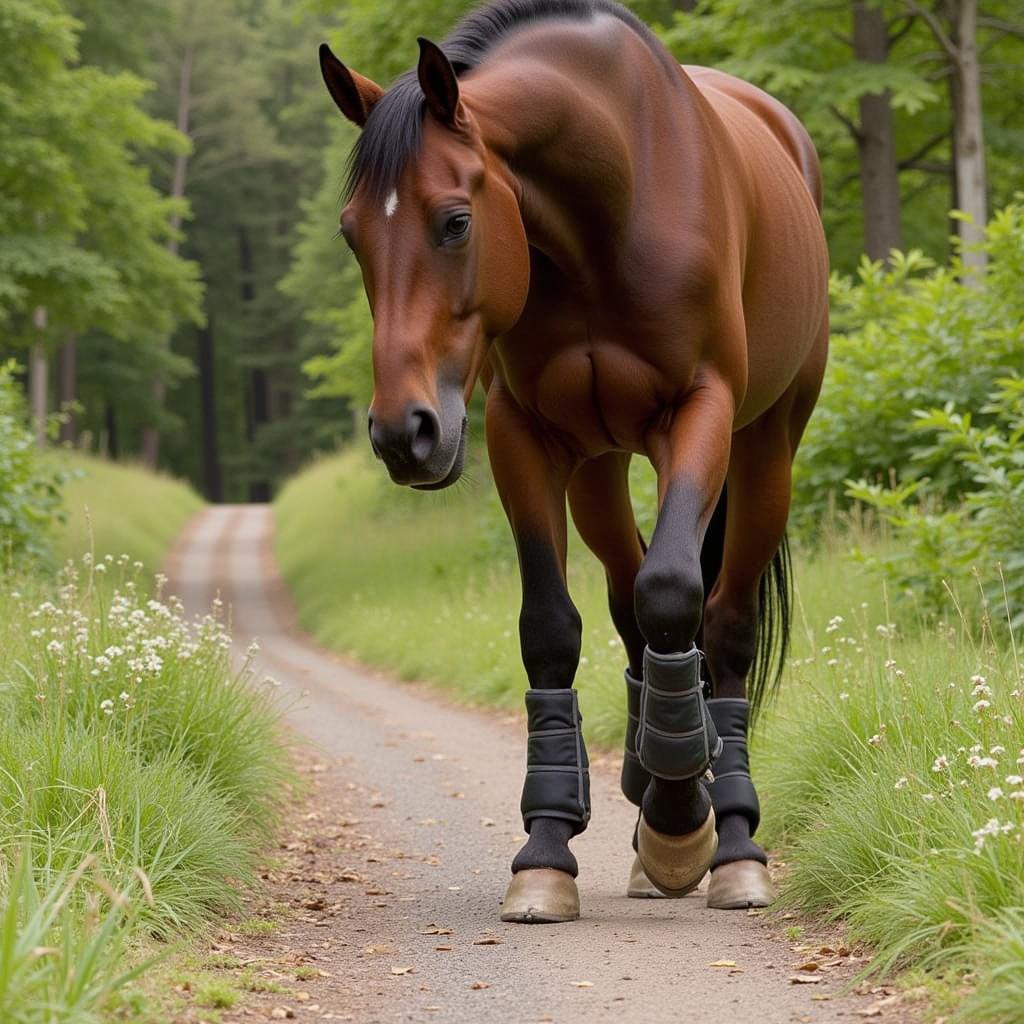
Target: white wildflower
995, 793
1015, 780
902, 782
940, 764
980, 705
876, 740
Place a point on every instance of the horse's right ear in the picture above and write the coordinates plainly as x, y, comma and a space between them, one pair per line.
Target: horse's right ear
355, 95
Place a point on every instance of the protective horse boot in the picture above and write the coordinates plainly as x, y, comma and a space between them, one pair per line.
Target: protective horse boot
739, 872
634, 784
675, 740
557, 789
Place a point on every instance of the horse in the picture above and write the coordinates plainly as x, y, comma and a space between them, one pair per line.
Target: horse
629, 255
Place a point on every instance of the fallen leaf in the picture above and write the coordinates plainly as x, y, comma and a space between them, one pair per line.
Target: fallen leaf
444, 949
582, 984
378, 949
809, 966
804, 979
480, 984
487, 822
402, 970
723, 963
432, 929
488, 940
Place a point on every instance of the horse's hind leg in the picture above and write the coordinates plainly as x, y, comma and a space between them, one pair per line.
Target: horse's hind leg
531, 477
758, 496
603, 514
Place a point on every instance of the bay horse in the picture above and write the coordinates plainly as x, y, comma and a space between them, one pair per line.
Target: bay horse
629, 255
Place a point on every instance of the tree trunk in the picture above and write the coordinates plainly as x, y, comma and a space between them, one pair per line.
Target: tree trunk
968, 133
205, 358
67, 390
113, 448
876, 142
258, 405
38, 378
150, 444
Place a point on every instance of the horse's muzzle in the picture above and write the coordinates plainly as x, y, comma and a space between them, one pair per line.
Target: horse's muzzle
425, 449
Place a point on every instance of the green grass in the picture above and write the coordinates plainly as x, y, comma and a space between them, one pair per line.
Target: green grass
117, 508
426, 585
135, 763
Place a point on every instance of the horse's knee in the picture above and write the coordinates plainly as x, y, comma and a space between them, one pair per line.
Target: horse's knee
550, 638
668, 605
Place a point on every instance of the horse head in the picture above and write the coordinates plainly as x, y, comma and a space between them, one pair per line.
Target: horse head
433, 218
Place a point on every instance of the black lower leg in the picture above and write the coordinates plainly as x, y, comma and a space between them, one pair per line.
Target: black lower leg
737, 810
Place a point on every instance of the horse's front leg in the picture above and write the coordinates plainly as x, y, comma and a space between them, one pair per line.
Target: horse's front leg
531, 476
676, 737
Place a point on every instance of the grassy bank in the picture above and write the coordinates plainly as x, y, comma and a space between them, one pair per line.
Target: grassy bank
888, 766
139, 777
140, 773
120, 509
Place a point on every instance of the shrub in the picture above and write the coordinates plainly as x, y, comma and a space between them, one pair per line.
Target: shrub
911, 337
936, 542
29, 493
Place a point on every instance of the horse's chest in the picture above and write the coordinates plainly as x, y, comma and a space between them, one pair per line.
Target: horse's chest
598, 396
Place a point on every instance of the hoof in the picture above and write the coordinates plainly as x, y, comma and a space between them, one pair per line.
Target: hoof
739, 885
676, 864
541, 896
640, 886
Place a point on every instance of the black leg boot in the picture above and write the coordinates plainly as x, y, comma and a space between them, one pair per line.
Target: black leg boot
676, 743
739, 873
555, 806
635, 780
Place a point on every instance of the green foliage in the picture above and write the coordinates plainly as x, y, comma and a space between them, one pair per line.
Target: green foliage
134, 757
940, 540
906, 339
30, 498
82, 230
58, 965
120, 507
894, 781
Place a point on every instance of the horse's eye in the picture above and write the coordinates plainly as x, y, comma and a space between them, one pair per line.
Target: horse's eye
456, 228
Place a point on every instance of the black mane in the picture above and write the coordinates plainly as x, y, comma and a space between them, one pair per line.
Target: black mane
393, 131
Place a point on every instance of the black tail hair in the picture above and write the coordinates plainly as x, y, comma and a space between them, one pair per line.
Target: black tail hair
775, 603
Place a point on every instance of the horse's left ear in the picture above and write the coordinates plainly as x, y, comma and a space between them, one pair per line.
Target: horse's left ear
438, 82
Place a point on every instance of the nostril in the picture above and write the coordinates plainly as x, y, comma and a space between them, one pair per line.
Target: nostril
424, 432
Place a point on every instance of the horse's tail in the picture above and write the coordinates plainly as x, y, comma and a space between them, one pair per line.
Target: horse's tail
774, 600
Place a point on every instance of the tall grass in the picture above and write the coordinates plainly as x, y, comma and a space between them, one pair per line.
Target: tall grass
135, 764
928, 865
118, 507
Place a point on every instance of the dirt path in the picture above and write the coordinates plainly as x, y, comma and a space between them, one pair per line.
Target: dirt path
394, 881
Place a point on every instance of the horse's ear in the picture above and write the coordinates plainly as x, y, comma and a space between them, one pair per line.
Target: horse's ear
438, 82
355, 95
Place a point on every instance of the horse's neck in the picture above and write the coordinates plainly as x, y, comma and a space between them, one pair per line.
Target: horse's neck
560, 109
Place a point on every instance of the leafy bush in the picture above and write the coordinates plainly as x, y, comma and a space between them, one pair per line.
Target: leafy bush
29, 492
984, 528
911, 337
